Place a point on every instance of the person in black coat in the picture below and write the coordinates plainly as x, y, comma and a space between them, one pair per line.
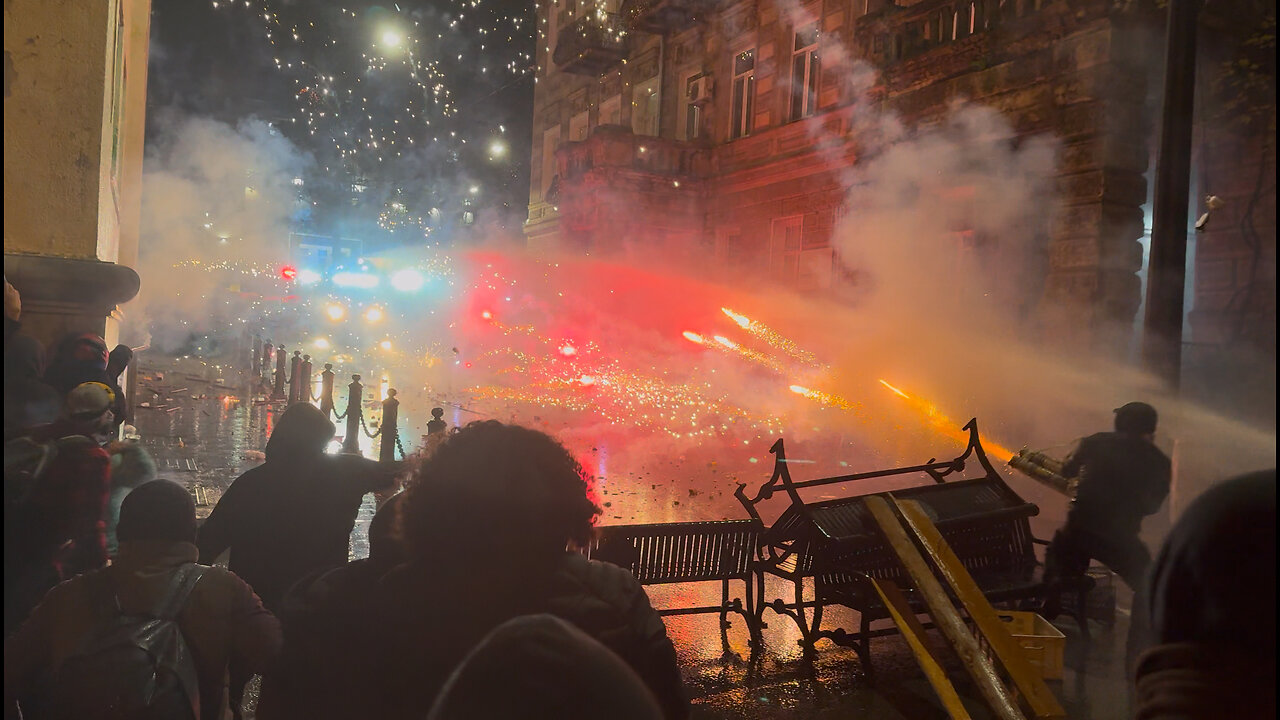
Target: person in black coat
293, 514
1123, 477
324, 618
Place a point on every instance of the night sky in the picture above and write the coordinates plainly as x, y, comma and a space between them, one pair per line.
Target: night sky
426, 103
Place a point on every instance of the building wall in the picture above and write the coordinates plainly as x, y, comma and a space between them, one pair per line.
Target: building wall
768, 202
74, 112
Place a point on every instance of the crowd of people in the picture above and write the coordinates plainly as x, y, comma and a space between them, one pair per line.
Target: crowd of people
474, 601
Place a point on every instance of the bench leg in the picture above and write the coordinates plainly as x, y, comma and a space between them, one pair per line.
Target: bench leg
802, 619
752, 615
724, 616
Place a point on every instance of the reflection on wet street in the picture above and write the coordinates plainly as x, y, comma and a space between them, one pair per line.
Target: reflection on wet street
204, 430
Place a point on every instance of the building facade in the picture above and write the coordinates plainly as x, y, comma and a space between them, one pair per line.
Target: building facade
729, 126
74, 115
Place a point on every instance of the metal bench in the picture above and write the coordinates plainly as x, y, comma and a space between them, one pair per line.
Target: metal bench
711, 551
837, 546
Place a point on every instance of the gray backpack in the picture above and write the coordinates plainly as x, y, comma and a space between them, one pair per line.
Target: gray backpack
134, 666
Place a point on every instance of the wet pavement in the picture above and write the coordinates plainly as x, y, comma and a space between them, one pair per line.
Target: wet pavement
204, 430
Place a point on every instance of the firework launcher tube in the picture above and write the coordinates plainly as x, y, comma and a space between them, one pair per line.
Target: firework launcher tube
1044, 470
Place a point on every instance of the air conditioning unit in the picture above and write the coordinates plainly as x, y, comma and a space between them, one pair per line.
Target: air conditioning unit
700, 90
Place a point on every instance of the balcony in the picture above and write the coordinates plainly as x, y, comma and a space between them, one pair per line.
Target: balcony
665, 16
612, 147
592, 44
902, 32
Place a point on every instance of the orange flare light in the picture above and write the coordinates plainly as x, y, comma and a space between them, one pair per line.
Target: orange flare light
946, 426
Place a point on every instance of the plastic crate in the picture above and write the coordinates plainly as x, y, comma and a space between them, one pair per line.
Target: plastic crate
1042, 643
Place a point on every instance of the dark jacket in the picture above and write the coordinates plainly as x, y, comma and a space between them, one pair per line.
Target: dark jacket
326, 618
57, 530
1212, 589
1125, 479
442, 611
222, 620
293, 514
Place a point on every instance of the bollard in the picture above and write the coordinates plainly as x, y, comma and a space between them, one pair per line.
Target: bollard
355, 395
326, 390
436, 427
277, 393
264, 378
304, 386
390, 414
295, 372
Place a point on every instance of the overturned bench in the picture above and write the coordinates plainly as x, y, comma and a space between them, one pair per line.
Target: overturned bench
687, 552
835, 544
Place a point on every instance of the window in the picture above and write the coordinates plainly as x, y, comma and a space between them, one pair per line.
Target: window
742, 106
550, 141
578, 127
804, 73
692, 111
645, 107
611, 111
784, 248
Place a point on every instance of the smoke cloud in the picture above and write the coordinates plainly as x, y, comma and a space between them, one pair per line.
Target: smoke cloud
214, 195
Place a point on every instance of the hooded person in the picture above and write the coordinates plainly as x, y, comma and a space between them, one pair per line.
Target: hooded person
82, 358
293, 514
221, 621
322, 617
1213, 651
539, 667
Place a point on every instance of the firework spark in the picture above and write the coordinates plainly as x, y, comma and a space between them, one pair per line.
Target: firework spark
772, 338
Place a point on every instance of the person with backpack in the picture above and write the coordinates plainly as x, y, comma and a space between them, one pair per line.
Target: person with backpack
151, 636
56, 480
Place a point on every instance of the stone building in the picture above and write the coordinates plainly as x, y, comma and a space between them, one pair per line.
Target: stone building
75, 82
726, 126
